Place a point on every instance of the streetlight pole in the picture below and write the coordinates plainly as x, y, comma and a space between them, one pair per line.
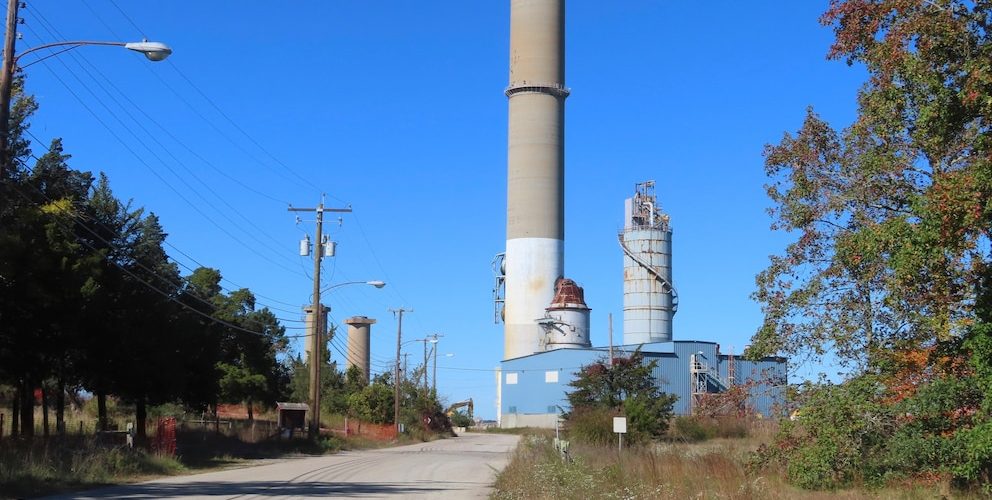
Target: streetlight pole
154, 51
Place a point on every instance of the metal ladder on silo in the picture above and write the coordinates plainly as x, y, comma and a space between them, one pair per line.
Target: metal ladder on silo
667, 286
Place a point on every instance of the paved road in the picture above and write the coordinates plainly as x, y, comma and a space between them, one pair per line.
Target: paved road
462, 467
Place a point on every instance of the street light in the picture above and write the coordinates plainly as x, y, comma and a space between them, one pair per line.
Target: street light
425, 340
375, 283
315, 335
154, 51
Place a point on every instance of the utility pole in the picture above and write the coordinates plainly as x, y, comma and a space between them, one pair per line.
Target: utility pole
426, 340
317, 325
396, 383
610, 316
6, 83
434, 377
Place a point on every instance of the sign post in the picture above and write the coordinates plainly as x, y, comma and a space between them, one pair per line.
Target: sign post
620, 427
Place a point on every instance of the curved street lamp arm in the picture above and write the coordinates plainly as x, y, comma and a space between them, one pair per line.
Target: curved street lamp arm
74, 44
154, 51
375, 283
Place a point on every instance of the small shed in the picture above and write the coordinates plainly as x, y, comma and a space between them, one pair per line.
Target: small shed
292, 415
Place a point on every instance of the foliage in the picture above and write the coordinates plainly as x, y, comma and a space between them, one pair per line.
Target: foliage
374, 402
28, 469
460, 419
627, 387
675, 471
697, 428
90, 300
892, 219
892, 215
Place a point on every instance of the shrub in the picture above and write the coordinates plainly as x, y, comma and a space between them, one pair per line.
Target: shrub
702, 428
591, 425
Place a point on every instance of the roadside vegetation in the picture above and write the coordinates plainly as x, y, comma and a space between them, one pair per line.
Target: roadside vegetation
102, 329
889, 273
671, 469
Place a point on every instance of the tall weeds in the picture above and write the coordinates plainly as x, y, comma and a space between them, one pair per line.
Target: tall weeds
30, 468
714, 469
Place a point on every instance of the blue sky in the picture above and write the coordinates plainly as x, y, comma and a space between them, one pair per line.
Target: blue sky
396, 108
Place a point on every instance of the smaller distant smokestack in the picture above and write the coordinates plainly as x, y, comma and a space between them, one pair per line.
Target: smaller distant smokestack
566, 321
359, 333
308, 323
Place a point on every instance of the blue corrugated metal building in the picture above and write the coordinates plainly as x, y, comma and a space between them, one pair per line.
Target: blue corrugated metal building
531, 389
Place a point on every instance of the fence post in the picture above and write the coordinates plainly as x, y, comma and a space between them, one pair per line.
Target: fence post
1, 425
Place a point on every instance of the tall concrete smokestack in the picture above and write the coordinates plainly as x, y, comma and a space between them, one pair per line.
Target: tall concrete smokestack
535, 224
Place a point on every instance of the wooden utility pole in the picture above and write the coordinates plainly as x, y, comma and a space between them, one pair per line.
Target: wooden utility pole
610, 316
434, 376
317, 325
396, 382
6, 84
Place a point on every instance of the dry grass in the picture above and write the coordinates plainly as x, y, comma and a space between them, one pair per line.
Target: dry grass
677, 470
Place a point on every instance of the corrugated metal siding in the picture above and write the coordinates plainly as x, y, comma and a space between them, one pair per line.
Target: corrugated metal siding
532, 395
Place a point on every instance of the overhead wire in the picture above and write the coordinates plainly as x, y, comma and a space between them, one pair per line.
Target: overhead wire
177, 249
231, 122
150, 271
188, 104
150, 285
54, 32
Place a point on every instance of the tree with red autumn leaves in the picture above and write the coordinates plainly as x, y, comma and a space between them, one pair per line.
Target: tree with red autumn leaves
889, 270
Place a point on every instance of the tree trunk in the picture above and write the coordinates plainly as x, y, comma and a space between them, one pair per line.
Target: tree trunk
141, 415
251, 416
27, 409
60, 408
15, 412
101, 411
44, 411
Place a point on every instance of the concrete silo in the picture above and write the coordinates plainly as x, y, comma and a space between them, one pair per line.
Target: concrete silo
535, 230
359, 333
649, 297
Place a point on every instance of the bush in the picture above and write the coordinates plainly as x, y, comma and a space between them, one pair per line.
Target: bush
701, 428
459, 419
591, 425
30, 468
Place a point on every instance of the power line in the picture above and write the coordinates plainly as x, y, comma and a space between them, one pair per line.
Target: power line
139, 123
112, 246
177, 249
151, 286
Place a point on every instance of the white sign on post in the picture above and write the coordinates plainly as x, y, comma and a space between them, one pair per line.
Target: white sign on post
620, 427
